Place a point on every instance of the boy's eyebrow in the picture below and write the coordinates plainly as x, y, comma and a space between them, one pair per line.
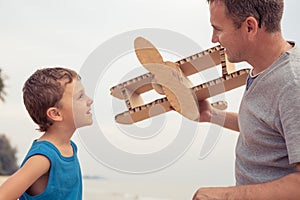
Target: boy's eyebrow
80, 91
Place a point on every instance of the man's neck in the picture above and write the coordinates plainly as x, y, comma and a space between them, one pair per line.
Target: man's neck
267, 50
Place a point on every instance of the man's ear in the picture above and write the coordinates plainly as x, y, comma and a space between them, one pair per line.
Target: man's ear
251, 25
54, 114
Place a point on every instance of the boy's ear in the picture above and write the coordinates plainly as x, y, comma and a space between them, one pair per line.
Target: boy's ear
54, 114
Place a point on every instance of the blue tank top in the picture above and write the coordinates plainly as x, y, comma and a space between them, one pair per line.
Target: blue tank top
65, 180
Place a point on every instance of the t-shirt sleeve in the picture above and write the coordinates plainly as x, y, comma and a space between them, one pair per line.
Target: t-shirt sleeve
289, 112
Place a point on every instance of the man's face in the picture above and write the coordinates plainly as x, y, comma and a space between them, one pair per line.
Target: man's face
225, 33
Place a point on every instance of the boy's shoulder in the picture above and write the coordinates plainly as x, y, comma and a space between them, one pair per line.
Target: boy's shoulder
46, 149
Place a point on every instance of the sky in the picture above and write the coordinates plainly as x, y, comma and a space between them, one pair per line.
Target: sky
76, 34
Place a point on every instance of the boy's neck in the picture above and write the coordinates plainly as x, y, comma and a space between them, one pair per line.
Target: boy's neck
59, 137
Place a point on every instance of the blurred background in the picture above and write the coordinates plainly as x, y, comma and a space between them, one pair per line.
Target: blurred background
38, 33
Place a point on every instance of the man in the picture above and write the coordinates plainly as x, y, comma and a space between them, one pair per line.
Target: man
268, 148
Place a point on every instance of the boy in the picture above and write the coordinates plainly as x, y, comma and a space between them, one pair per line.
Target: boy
56, 101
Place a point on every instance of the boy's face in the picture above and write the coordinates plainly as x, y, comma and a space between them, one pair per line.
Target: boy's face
76, 105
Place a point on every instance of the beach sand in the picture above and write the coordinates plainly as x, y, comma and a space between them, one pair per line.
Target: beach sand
118, 190
112, 190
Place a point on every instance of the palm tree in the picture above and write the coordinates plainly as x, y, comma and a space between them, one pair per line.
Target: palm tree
8, 160
2, 93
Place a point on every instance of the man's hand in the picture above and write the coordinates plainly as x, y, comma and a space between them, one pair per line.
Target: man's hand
211, 194
210, 114
286, 187
205, 110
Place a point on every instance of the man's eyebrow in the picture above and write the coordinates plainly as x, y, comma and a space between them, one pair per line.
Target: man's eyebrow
216, 27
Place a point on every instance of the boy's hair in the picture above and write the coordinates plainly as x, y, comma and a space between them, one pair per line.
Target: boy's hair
44, 89
268, 13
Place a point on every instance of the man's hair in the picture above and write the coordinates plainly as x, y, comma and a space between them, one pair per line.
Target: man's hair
268, 13
43, 90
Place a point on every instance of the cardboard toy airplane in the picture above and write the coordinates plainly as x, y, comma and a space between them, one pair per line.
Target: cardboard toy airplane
170, 79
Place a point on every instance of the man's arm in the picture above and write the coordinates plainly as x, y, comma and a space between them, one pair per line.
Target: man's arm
286, 187
20, 181
225, 119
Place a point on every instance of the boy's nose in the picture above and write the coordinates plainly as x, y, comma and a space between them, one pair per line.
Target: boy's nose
91, 101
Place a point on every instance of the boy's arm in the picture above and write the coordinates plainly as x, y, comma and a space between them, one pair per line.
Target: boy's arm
20, 181
286, 187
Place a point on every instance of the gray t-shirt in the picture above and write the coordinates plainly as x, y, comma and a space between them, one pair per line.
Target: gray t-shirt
268, 146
